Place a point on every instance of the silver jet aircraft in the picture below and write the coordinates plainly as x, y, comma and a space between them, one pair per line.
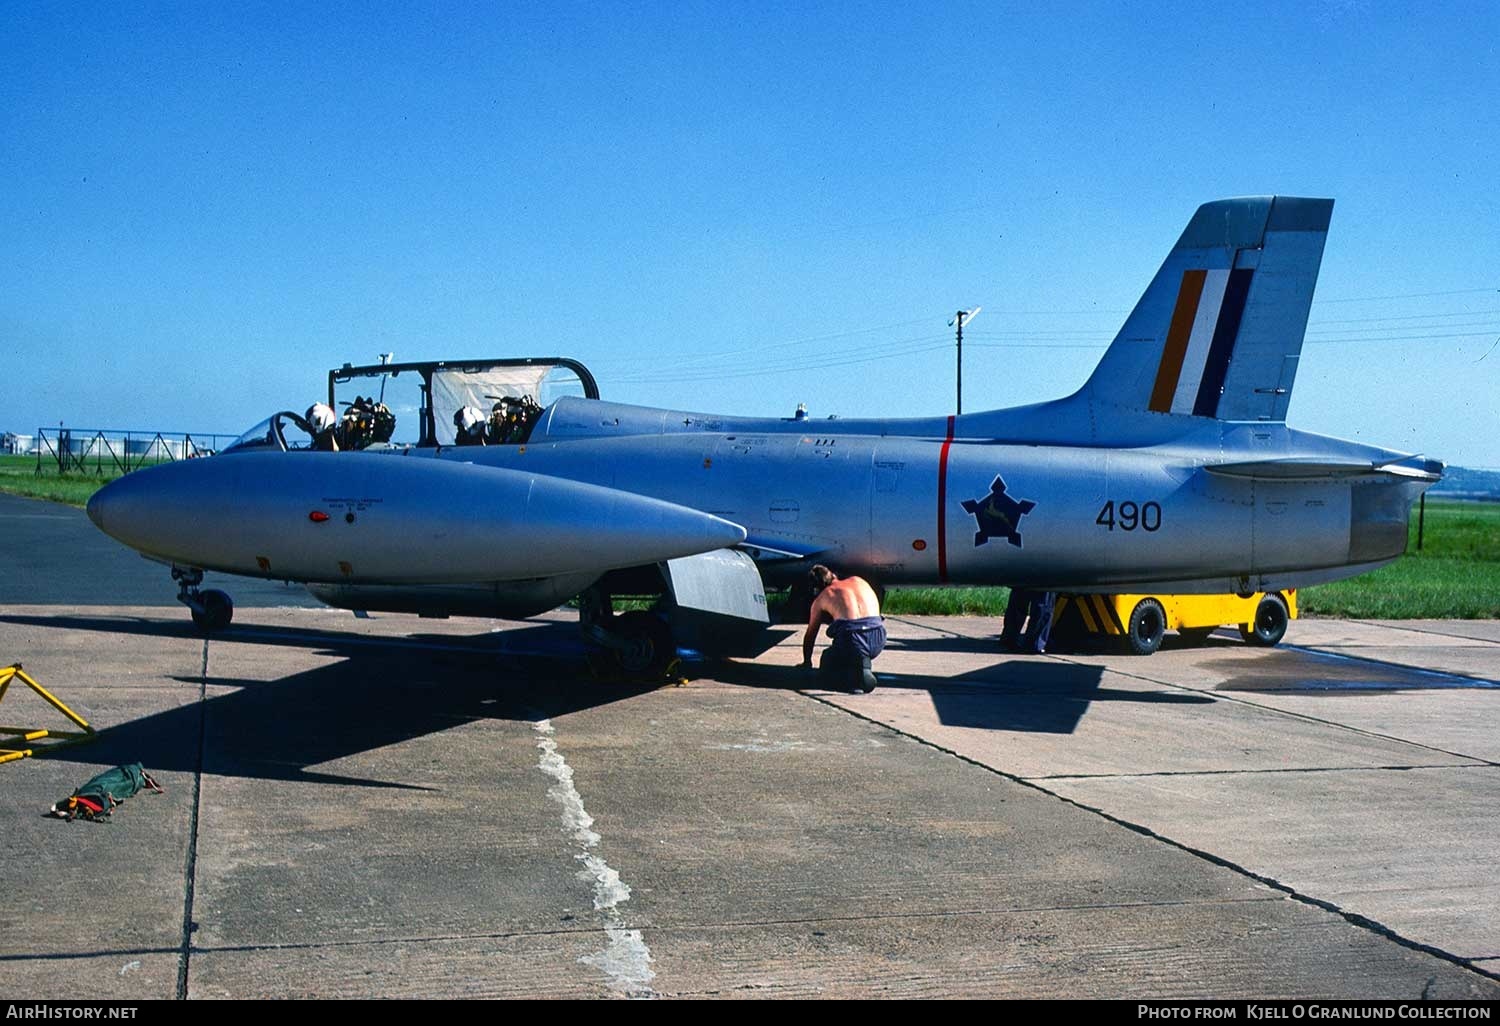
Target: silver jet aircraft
1171, 470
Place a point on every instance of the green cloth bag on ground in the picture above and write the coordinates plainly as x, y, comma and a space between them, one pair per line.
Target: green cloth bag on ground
99, 795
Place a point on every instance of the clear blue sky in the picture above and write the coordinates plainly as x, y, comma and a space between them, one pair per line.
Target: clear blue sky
732, 207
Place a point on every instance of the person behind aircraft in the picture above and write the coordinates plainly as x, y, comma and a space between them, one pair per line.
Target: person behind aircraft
852, 612
1033, 611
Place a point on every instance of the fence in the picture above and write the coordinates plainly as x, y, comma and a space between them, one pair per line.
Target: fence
108, 451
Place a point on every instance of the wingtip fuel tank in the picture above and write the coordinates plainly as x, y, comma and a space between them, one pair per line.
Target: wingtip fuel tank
326, 517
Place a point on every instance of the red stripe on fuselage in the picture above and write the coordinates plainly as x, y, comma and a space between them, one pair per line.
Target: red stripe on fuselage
942, 527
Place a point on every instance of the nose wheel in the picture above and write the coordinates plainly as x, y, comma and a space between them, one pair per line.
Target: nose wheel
212, 610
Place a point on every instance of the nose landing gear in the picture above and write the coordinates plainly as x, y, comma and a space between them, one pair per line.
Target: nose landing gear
212, 609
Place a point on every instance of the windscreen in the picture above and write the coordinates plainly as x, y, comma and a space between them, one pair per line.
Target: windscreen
262, 436
278, 432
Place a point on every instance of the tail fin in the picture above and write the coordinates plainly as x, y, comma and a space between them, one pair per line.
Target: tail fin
1219, 330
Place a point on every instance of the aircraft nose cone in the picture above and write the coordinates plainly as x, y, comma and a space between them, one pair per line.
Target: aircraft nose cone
95, 508
125, 508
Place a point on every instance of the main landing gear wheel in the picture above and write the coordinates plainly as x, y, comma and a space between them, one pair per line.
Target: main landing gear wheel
1269, 625
215, 610
646, 644
1148, 622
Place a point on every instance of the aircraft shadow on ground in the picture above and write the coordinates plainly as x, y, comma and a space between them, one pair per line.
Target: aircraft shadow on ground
949, 643
1089, 645
1029, 695
521, 637
384, 691
375, 696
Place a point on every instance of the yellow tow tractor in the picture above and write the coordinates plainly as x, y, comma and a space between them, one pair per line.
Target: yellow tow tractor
1142, 620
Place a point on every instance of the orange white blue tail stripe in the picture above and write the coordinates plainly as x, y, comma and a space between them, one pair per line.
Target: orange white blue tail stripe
1200, 341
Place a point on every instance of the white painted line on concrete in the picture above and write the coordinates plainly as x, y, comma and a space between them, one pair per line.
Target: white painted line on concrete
1392, 625
626, 959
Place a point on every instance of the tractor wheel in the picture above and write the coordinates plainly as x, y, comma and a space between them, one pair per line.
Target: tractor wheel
1148, 623
1270, 622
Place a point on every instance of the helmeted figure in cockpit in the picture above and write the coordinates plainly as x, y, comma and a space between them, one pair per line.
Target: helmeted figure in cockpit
322, 424
468, 424
366, 422
512, 418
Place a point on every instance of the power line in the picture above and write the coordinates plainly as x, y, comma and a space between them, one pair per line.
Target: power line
1405, 338
1316, 303
702, 367
1003, 336
798, 368
723, 354
1405, 317
1039, 345
1491, 325
768, 372
1410, 295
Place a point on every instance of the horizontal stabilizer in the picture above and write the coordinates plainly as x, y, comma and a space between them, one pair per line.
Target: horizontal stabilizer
1414, 467
778, 551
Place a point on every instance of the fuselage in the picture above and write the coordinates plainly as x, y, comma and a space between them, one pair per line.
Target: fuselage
943, 508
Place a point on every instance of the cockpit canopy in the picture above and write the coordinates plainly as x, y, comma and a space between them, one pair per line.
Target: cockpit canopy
425, 397
498, 402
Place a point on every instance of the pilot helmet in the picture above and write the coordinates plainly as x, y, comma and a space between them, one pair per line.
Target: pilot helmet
468, 420
320, 416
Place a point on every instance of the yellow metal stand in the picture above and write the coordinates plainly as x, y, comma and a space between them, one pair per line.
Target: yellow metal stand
25, 735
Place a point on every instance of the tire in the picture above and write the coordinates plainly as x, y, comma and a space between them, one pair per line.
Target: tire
217, 612
1195, 636
649, 646
1148, 623
1269, 626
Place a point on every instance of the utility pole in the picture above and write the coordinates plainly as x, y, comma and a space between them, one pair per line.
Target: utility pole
961, 318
